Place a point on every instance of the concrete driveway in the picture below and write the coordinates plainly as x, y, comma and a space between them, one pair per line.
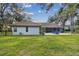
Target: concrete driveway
58, 34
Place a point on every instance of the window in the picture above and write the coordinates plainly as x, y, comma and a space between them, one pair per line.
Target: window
26, 29
15, 29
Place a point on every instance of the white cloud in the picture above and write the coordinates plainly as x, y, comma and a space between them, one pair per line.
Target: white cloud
40, 21
28, 13
26, 5
39, 11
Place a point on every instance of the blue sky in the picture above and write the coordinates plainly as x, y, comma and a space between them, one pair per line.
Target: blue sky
38, 14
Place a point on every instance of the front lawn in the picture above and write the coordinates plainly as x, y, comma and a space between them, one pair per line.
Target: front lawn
39, 45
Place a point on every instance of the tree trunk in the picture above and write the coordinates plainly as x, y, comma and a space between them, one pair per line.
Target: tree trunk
63, 23
72, 24
5, 32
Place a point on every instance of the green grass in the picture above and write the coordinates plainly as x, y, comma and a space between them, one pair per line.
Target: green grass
39, 45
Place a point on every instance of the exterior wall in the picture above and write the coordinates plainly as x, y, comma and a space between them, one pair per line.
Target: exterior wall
31, 31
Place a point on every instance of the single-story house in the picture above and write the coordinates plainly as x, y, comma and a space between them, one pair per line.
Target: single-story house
32, 28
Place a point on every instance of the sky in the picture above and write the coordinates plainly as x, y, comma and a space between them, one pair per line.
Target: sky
38, 15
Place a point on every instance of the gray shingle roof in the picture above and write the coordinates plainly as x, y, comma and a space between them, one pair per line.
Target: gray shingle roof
25, 23
30, 23
50, 25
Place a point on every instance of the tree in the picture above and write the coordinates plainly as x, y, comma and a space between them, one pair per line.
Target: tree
46, 6
68, 11
9, 12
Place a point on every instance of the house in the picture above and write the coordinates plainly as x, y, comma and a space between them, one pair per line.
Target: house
51, 28
32, 28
